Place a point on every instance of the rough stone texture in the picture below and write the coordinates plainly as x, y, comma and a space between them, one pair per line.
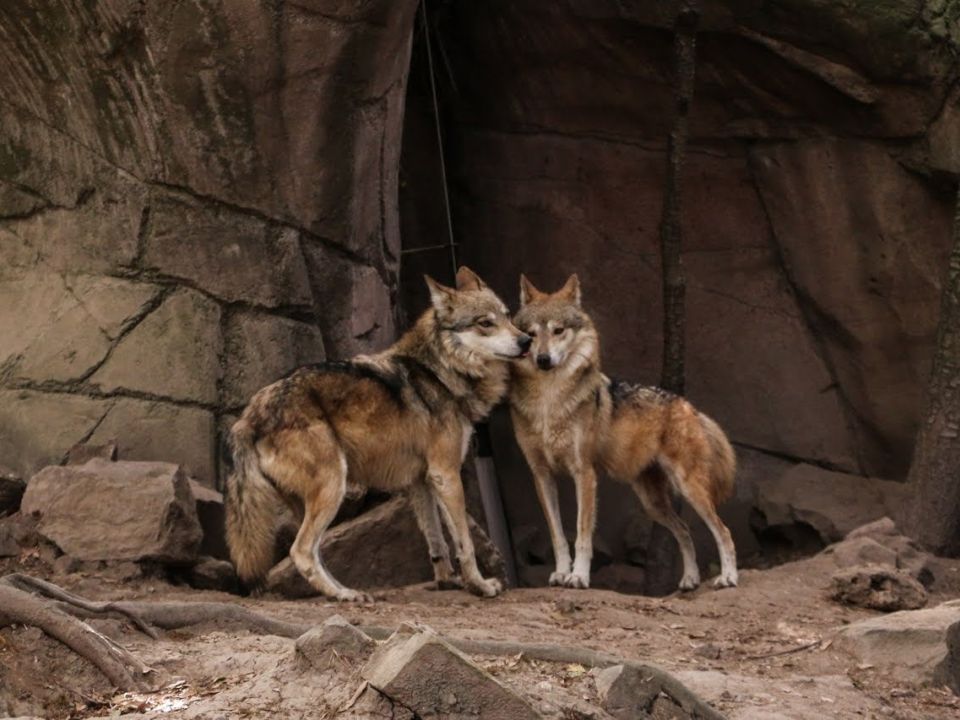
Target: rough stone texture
61, 328
262, 348
11, 491
213, 574
880, 543
173, 352
878, 588
948, 671
145, 204
65, 420
355, 302
831, 503
212, 517
162, 431
908, 645
642, 691
427, 675
862, 551
82, 453
334, 643
869, 288
232, 256
816, 212
9, 547
116, 511
393, 549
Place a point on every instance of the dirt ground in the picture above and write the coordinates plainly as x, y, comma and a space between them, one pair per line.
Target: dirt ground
760, 651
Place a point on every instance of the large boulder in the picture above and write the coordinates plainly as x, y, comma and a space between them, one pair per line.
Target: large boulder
911, 645
830, 503
391, 551
116, 511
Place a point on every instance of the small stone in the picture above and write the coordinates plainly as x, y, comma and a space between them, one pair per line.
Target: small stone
423, 672
334, 643
878, 588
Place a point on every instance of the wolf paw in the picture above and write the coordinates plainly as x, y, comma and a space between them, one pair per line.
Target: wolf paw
347, 595
576, 580
486, 588
558, 579
689, 582
726, 580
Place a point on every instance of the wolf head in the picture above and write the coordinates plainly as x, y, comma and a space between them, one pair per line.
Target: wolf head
563, 334
476, 318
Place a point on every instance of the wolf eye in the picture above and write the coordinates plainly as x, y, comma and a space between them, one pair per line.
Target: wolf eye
485, 323
558, 331
532, 333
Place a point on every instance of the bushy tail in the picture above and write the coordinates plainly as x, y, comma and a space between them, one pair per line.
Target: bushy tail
252, 503
723, 463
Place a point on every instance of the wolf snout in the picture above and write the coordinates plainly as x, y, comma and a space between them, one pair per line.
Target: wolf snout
524, 341
543, 361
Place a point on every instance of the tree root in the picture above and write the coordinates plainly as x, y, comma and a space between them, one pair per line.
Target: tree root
59, 614
175, 615
18, 607
26, 600
549, 652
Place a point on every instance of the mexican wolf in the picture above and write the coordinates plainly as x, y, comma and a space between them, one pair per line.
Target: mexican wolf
398, 420
570, 418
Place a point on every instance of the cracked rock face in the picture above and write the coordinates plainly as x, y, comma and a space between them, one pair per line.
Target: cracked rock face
156, 219
816, 222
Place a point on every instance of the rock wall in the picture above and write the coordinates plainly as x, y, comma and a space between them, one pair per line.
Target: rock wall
817, 206
195, 197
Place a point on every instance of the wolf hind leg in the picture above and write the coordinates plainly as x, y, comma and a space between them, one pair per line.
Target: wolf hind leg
696, 489
309, 464
654, 493
428, 518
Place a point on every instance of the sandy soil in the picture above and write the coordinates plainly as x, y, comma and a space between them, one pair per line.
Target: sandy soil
762, 650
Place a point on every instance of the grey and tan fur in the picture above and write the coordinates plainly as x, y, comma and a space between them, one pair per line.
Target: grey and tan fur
570, 418
399, 420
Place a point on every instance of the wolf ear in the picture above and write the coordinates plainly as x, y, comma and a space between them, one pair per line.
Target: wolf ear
440, 295
528, 293
467, 279
571, 290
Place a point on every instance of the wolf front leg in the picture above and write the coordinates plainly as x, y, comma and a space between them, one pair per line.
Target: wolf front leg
428, 518
585, 478
448, 489
547, 492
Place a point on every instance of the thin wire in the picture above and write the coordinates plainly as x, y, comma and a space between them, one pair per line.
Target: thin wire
408, 251
436, 117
